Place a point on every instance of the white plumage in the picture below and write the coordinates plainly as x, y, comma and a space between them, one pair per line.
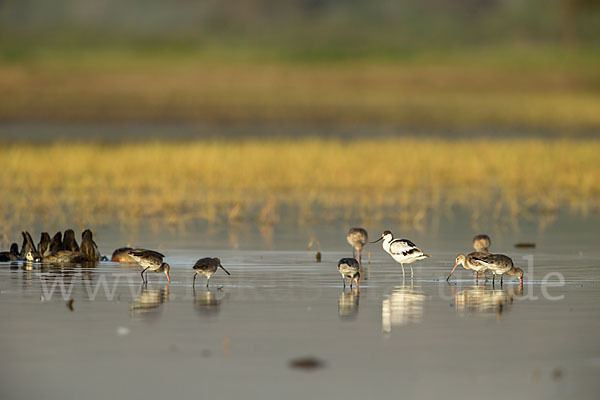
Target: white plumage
403, 251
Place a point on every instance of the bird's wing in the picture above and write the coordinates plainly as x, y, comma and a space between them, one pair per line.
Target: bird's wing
489, 260
203, 263
405, 247
146, 253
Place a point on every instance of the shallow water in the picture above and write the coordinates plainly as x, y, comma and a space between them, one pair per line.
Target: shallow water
403, 338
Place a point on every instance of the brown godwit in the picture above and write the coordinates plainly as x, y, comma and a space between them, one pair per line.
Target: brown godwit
402, 250
150, 260
357, 238
207, 267
470, 262
497, 264
482, 243
349, 268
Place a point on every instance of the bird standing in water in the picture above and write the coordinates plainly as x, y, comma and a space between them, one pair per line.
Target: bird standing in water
402, 250
471, 262
150, 260
357, 238
207, 267
349, 268
497, 264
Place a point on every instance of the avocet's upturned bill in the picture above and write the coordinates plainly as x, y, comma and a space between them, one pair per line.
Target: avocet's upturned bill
402, 250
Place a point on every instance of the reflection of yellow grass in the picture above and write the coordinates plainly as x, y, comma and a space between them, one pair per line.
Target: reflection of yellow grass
328, 179
418, 95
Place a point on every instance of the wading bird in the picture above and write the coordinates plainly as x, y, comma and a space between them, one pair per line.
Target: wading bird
357, 238
150, 260
497, 264
472, 263
207, 267
482, 243
402, 250
349, 268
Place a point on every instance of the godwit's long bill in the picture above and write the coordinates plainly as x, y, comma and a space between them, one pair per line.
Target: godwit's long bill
357, 238
402, 250
349, 268
470, 262
207, 267
150, 260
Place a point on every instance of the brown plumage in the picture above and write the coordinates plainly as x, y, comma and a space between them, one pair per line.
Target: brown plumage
482, 243
122, 256
497, 264
28, 248
44, 244
11, 255
56, 243
69, 242
357, 238
150, 260
207, 267
66, 257
89, 247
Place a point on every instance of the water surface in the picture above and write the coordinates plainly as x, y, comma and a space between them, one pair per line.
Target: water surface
392, 337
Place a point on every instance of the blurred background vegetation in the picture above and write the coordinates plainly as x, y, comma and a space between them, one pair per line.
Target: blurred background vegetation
412, 63
496, 68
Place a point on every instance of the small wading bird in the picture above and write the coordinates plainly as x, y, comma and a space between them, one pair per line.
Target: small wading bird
349, 268
150, 260
357, 238
482, 243
497, 264
402, 250
207, 267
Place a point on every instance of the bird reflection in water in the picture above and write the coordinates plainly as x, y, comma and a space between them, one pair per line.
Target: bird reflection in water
483, 301
148, 303
348, 304
207, 302
404, 306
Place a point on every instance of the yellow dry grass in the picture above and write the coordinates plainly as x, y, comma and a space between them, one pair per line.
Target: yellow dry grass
314, 179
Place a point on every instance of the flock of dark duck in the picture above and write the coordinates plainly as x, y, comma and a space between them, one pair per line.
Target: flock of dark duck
63, 249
